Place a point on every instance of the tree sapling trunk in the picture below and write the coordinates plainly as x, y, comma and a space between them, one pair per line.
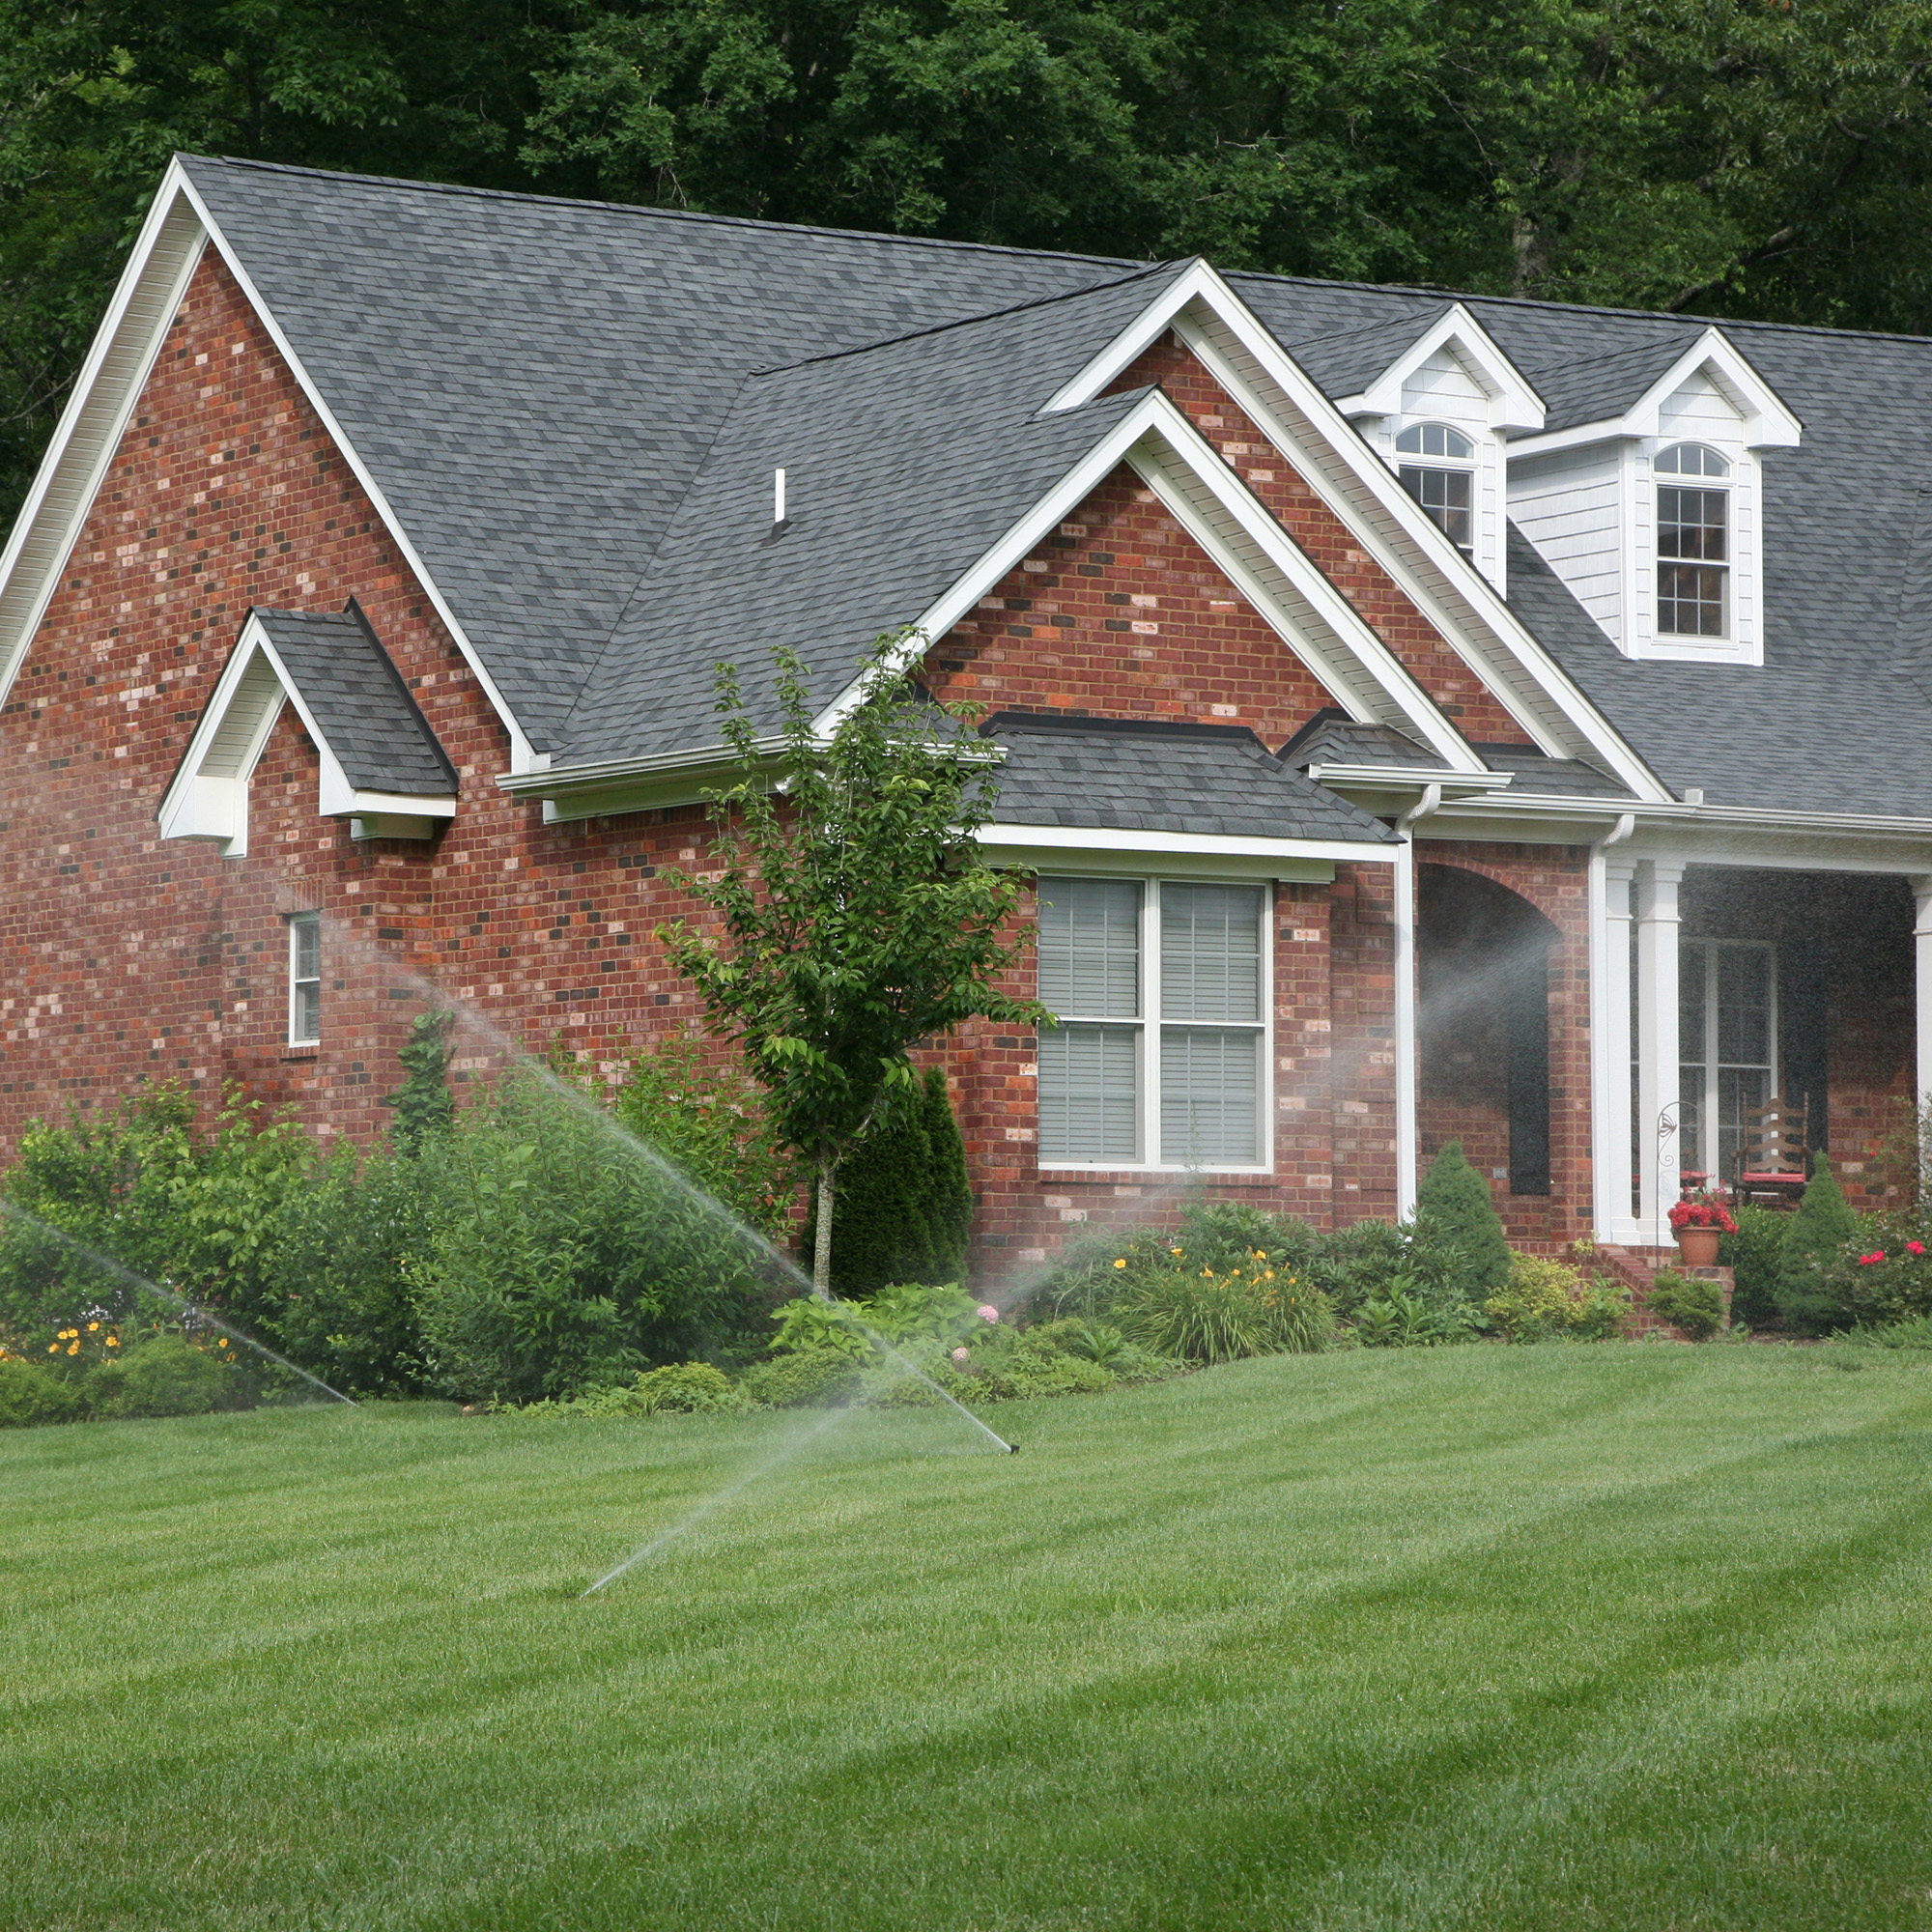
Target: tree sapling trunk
821, 1245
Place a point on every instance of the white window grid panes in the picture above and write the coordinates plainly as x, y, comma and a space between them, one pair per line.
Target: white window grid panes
1727, 1034
304, 978
1694, 547
1162, 988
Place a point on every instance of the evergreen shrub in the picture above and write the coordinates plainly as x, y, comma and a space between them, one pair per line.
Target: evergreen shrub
1454, 1209
1547, 1300
1756, 1257
168, 1376
1815, 1238
1696, 1307
31, 1396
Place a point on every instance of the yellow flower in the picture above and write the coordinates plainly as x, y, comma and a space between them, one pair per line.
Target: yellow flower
113, 1341
1235, 1274
1208, 1272
92, 1327
53, 1347
74, 1348
1269, 1273
1119, 1265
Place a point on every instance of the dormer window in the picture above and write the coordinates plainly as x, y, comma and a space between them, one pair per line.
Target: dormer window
1693, 551
1445, 488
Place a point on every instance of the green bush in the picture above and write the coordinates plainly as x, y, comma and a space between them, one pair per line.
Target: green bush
1817, 1234
30, 1396
557, 1258
820, 1378
903, 1208
1546, 1300
681, 1388
168, 1376
1396, 1318
1913, 1336
1755, 1256
1881, 1277
1454, 1209
1696, 1307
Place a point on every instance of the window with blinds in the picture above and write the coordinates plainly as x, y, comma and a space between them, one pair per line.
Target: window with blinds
1161, 993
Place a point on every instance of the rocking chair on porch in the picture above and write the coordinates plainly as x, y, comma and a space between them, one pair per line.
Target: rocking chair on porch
1771, 1153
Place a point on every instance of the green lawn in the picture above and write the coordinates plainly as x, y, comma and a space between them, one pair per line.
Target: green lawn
1585, 1636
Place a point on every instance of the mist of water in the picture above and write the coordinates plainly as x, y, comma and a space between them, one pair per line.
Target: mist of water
194, 1312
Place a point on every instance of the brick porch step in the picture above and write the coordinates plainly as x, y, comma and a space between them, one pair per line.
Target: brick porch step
1635, 1269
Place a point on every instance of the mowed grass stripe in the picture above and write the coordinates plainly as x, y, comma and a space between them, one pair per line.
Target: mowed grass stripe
1467, 1638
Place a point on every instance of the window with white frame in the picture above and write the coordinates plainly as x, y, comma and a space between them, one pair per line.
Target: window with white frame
1728, 1045
1693, 542
1160, 986
304, 978
1446, 490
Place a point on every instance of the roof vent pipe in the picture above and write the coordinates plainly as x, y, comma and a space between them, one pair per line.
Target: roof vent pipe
781, 523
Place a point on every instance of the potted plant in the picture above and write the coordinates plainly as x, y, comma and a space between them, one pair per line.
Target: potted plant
1699, 1221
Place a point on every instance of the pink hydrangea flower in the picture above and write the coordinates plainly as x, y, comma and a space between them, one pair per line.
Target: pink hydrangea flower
987, 1311
959, 1355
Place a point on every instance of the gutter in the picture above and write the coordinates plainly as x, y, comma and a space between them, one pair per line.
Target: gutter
1407, 1056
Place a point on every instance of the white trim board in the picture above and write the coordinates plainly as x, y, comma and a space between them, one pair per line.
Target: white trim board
208, 797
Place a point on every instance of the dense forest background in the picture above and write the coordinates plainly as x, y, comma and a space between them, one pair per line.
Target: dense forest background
1730, 158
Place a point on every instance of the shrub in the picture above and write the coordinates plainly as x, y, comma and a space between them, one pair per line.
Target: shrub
1453, 1206
556, 1260
1201, 1316
1819, 1231
1545, 1299
1396, 1318
423, 1102
682, 1388
1755, 1255
30, 1396
820, 1378
1882, 1278
1913, 1336
1696, 1307
170, 1375
903, 1208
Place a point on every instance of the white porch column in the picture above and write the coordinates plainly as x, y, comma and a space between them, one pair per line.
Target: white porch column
1610, 1125
1658, 1051
1921, 946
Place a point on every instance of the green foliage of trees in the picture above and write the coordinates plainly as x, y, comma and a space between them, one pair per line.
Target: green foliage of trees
854, 915
1812, 1240
423, 1102
1721, 157
1454, 1207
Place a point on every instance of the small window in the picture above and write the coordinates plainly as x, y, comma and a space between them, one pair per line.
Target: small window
1692, 545
304, 978
1447, 495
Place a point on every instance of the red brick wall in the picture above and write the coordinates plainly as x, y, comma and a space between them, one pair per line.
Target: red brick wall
1458, 692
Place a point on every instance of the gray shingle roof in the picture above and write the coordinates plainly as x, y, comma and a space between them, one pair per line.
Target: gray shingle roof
559, 400
1547, 777
358, 697
1332, 739
535, 383
883, 513
1216, 780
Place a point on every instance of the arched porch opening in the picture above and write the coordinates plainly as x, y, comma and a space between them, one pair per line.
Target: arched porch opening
1482, 989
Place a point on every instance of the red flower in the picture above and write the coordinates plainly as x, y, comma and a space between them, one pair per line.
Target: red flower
1702, 1213
1865, 1260
1914, 1247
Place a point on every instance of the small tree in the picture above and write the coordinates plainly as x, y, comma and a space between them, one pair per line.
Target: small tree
882, 1225
1454, 1204
1822, 1225
859, 916
423, 1102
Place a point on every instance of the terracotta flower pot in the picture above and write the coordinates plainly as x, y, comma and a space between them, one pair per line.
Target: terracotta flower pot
1698, 1246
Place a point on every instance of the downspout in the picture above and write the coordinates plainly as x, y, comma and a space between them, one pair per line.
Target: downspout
1609, 1092
1406, 1175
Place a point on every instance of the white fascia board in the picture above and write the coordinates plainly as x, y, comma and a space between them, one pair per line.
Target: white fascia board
1420, 539
1397, 777
145, 302
521, 750
1515, 407
1196, 280
1066, 840
1766, 423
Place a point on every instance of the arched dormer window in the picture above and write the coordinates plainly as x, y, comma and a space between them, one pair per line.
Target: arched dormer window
1693, 541
1446, 487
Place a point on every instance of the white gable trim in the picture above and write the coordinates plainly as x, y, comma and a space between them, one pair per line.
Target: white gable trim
208, 797
1764, 420
89, 433
1315, 621
146, 301
1365, 493
1515, 407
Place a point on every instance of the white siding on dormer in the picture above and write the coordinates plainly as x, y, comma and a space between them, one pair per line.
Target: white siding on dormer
1570, 505
1442, 388
1699, 413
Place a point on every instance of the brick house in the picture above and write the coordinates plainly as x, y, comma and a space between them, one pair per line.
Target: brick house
1426, 717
